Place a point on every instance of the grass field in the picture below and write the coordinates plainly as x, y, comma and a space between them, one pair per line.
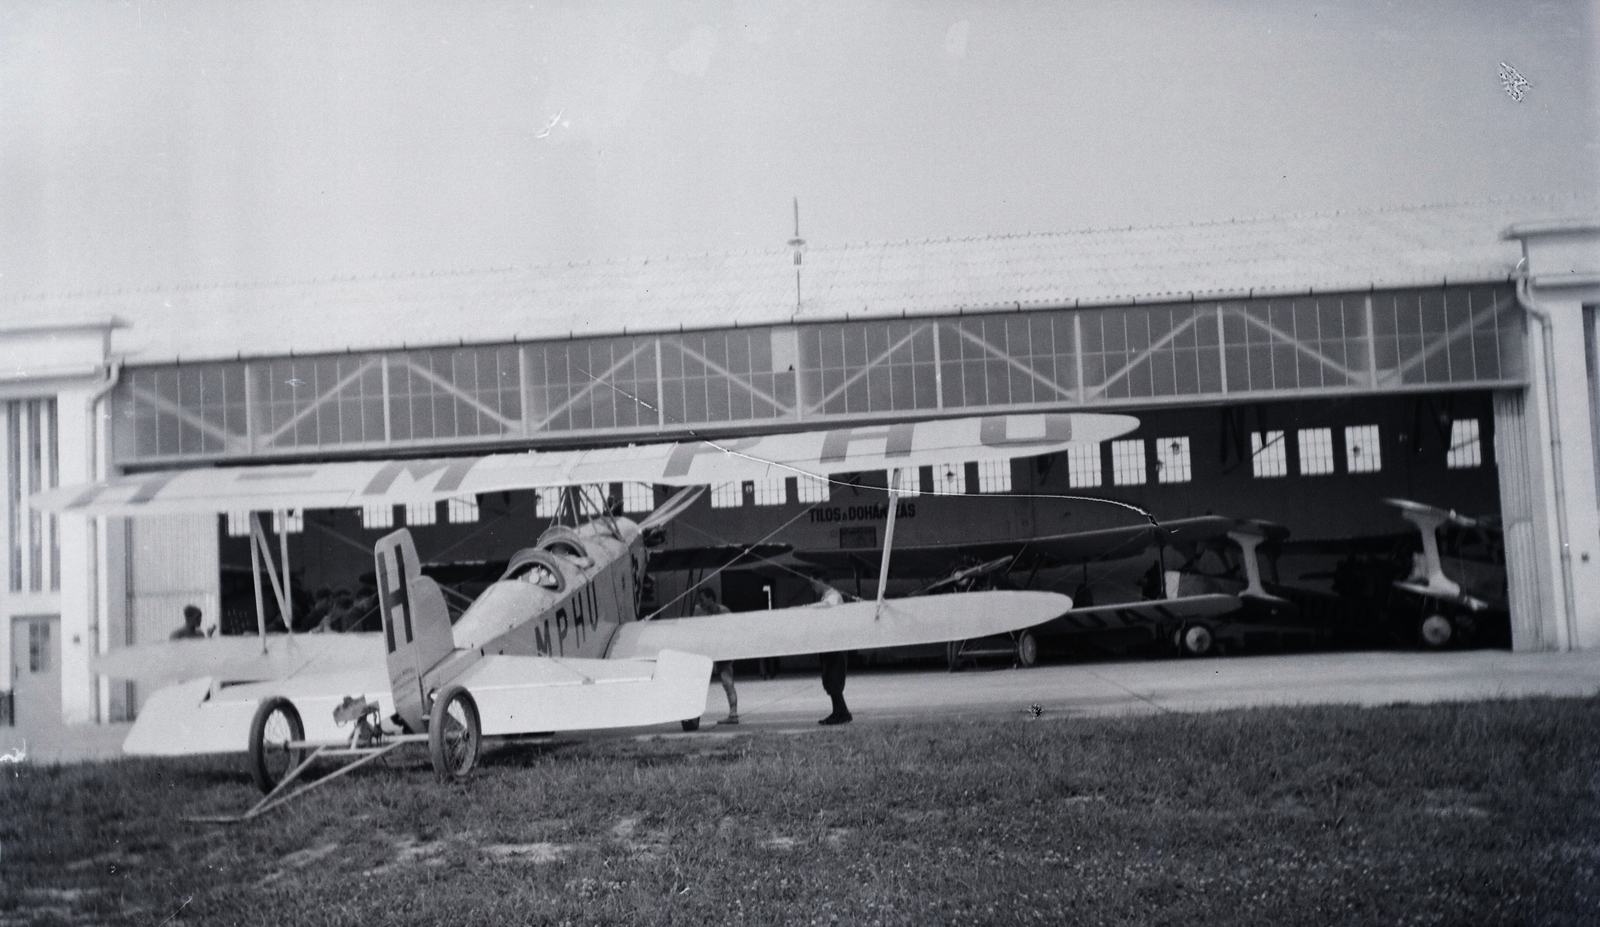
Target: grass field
1457, 814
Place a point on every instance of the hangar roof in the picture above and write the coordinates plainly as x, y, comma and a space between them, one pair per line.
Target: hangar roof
1387, 248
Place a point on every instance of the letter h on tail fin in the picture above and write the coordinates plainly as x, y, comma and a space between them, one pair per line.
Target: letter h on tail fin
416, 625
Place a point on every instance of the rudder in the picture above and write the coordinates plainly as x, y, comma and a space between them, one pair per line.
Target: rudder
416, 624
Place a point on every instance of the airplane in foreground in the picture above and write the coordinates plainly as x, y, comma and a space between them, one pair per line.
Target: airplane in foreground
555, 644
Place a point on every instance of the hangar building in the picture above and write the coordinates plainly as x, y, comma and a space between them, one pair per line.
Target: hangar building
1295, 368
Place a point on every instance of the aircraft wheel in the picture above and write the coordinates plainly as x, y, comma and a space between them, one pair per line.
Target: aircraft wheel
454, 734
275, 726
1196, 640
1436, 632
690, 725
1027, 649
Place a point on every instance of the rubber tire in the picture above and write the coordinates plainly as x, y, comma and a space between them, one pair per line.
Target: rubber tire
1436, 632
264, 760
1027, 649
690, 725
449, 764
1196, 640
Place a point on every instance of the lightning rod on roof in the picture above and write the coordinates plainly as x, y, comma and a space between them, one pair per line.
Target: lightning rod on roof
799, 246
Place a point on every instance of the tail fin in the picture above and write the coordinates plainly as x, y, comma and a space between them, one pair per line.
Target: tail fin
416, 624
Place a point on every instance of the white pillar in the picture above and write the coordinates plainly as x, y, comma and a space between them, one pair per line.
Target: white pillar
1561, 267
79, 627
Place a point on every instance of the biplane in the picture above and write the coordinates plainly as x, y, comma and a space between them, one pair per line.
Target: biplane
1438, 610
555, 644
1215, 591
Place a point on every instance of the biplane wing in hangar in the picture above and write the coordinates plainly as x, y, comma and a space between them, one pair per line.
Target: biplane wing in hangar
563, 607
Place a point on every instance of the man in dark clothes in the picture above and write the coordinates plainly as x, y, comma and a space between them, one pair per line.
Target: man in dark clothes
833, 664
191, 624
833, 669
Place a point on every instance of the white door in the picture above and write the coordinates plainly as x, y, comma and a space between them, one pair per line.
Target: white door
36, 671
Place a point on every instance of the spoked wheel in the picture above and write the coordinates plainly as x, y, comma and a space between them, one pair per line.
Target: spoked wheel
1027, 649
1436, 631
275, 726
454, 734
1196, 640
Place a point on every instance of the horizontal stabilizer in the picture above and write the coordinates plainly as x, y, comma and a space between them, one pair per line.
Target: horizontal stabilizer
521, 695
851, 626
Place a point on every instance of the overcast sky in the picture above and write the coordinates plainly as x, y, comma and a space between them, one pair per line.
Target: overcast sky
169, 143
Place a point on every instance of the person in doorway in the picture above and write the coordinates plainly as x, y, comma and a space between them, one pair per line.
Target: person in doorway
834, 664
191, 624
706, 604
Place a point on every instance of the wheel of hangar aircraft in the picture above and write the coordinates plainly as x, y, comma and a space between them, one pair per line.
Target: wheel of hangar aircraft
1027, 649
454, 734
275, 726
1196, 640
1436, 631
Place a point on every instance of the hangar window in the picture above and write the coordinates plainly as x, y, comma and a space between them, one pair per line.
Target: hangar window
288, 522
1172, 460
377, 517
238, 524
907, 481
31, 465
771, 491
547, 504
39, 645
638, 497
811, 489
421, 513
994, 476
462, 510
1269, 454
727, 495
1466, 448
950, 479
1362, 450
1316, 451
1083, 465
1127, 462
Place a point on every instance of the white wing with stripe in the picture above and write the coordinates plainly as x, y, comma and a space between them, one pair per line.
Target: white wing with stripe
352, 484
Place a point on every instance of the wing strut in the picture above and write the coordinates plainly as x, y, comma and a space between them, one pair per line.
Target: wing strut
888, 539
260, 550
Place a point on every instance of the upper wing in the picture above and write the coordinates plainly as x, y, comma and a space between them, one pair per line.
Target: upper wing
242, 659
852, 626
352, 484
931, 560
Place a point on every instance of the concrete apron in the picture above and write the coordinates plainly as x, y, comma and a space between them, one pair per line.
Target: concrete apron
1070, 690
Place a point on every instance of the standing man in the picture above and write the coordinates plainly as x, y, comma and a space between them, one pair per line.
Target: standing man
834, 664
706, 604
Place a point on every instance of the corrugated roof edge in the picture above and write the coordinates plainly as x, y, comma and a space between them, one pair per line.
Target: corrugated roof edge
812, 248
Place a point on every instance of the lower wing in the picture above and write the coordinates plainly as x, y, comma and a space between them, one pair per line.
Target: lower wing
242, 659
1142, 614
514, 695
851, 626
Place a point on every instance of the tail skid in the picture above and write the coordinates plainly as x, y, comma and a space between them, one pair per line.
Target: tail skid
416, 625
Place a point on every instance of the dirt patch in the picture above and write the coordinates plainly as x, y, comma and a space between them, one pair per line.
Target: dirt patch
528, 852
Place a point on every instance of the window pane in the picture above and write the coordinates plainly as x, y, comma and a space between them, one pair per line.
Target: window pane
994, 476
462, 510
772, 490
1363, 453
1269, 455
1127, 462
638, 497
726, 495
950, 479
1316, 451
1083, 465
1465, 449
1172, 460
811, 489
